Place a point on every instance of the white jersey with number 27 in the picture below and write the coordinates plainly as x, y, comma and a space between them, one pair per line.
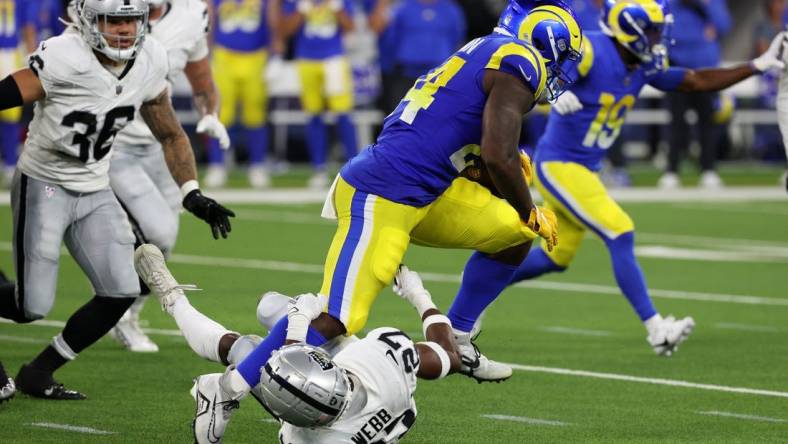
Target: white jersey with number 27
386, 363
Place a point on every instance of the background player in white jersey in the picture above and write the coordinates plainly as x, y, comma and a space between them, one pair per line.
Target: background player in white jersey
138, 173
87, 84
350, 391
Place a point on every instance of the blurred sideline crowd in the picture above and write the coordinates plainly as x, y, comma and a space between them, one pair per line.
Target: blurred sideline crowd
298, 77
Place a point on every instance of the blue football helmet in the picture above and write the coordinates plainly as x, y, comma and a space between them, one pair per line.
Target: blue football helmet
643, 27
550, 26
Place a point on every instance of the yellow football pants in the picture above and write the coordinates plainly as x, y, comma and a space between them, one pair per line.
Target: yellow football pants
239, 78
373, 234
580, 202
326, 84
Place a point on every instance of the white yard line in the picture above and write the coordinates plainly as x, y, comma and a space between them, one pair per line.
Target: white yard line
526, 420
673, 253
22, 339
746, 327
71, 428
289, 217
643, 380
575, 331
712, 241
749, 209
61, 324
741, 416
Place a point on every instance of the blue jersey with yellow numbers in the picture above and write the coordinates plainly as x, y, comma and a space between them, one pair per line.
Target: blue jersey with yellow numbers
241, 25
10, 23
607, 90
320, 36
436, 130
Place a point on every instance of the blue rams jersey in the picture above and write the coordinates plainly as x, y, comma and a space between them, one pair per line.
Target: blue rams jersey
436, 130
320, 36
10, 23
607, 90
241, 25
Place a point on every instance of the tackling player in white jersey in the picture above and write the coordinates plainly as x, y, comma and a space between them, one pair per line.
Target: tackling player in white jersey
87, 84
348, 391
138, 173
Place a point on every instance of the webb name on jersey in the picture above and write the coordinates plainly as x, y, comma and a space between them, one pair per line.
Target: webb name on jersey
182, 30
74, 126
382, 409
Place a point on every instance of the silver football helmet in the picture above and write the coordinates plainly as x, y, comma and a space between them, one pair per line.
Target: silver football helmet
95, 15
302, 386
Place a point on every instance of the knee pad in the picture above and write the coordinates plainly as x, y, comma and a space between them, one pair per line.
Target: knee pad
271, 308
242, 347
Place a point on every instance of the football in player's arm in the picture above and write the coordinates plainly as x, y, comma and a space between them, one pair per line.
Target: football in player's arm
24, 86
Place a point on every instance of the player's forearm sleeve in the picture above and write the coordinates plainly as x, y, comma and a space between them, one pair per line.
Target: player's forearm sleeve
782, 109
10, 96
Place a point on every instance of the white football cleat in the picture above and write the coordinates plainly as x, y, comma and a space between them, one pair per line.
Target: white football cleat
666, 336
476, 365
128, 332
259, 178
7, 385
215, 176
150, 266
214, 409
669, 181
710, 180
319, 180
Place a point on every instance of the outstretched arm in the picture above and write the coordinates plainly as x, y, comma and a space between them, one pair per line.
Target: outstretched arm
439, 355
160, 118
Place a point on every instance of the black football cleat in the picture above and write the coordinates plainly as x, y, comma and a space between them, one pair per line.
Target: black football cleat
41, 384
7, 386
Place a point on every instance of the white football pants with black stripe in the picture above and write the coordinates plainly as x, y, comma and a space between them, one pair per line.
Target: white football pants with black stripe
95, 230
140, 179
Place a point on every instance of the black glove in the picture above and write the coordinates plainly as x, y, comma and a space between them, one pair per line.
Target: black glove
207, 209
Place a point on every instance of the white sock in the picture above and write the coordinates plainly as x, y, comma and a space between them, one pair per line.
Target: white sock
201, 332
136, 308
652, 322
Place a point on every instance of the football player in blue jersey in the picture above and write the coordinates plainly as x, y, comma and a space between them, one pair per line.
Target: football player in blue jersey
407, 186
629, 53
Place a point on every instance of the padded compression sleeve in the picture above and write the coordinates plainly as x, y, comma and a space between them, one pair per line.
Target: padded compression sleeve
10, 96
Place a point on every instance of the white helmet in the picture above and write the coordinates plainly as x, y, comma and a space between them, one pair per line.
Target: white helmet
301, 385
90, 13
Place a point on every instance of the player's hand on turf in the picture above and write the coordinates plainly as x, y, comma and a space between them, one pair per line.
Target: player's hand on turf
210, 125
207, 209
775, 57
567, 103
543, 222
528, 171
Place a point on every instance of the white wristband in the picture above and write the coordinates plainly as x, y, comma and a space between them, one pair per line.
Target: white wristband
423, 302
442, 355
189, 186
434, 319
297, 326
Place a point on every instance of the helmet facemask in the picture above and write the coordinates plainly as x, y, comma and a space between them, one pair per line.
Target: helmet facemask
118, 34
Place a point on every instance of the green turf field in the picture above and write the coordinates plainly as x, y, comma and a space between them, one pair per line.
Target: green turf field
576, 341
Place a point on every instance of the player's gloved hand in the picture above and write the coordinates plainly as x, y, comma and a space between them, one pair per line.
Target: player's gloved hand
528, 170
408, 286
207, 209
274, 70
543, 222
775, 57
210, 125
301, 311
567, 103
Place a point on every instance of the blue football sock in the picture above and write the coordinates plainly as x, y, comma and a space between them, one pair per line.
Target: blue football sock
250, 367
347, 132
482, 281
629, 275
257, 141
536, 264
9, 138
317, 141
215, 152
